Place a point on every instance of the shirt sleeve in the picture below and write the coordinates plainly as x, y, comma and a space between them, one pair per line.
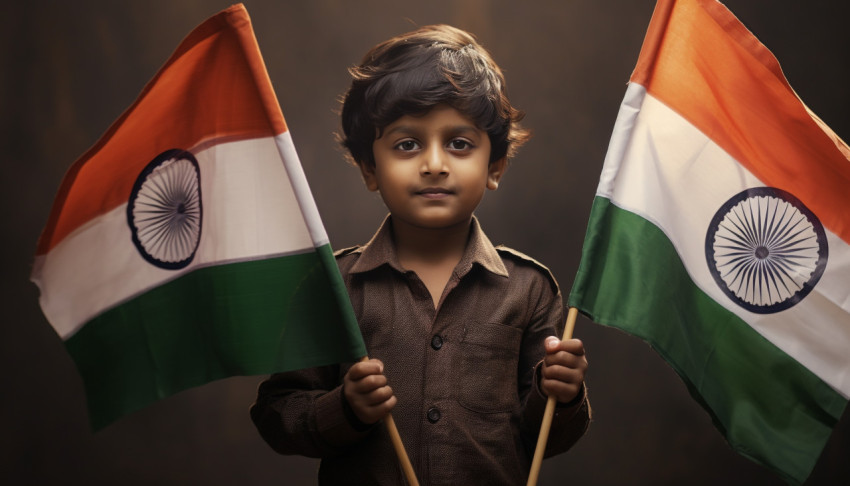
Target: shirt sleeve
570, 421
302, 412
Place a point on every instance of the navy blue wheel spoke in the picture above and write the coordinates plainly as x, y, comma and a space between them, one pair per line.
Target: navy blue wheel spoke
745, 227
782, 231
741, 232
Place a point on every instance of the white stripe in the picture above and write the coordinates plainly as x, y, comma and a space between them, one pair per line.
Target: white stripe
249, 212
301, 189
662, 168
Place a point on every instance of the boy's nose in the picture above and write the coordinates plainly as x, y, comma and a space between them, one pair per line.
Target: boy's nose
434, 161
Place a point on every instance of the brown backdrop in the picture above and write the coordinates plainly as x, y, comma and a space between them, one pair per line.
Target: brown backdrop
69, 69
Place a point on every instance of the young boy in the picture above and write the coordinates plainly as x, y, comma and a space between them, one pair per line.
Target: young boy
459, 332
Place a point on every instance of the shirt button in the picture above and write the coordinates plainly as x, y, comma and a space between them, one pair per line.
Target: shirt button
434, 415
436, 342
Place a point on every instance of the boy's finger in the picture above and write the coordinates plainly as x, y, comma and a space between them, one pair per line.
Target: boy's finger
565, 359
365, 368
563, 392
379, 396
368, 383
573, 346
563, 374
373, 413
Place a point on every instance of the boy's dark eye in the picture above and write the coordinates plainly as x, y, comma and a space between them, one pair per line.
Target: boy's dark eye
459, 144
407, 145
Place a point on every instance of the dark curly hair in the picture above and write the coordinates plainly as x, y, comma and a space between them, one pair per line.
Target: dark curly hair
413, 72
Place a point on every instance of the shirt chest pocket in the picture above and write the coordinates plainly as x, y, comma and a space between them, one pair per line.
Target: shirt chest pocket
487, 381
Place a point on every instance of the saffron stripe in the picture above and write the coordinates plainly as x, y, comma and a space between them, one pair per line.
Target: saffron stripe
187, 93
704, 64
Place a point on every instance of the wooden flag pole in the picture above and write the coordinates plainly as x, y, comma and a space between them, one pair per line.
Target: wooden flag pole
400, 452
409, 473
549, 413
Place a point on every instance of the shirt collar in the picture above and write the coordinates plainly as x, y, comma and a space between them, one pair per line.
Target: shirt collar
381, 251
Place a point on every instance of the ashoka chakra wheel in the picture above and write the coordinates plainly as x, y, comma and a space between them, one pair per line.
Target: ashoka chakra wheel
164, 211
765, 249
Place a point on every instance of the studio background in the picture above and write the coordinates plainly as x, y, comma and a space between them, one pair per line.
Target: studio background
69, 69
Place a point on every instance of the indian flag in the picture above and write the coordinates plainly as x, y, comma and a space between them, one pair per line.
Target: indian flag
185, 245
719, 234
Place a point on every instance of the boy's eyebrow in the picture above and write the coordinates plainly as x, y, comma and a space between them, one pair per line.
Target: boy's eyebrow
412, 129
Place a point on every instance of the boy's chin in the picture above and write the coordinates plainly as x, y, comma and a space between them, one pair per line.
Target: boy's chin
434, 222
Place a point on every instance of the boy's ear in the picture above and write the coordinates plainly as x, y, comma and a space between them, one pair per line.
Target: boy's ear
368, 173
495, 172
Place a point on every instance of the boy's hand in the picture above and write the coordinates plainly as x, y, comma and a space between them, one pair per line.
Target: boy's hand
563, 369
367, 392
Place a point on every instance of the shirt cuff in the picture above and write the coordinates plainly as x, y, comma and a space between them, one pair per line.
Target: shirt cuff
334, 423
355, 422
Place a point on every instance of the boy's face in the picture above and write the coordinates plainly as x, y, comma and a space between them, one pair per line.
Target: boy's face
432, 170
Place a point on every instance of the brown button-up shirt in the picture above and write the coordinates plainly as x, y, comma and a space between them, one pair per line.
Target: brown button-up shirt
465, 374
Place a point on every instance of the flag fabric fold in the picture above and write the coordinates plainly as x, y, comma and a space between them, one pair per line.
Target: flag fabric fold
185, 245
719, 234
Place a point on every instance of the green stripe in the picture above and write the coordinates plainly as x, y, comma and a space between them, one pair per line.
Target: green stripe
768, 406
244, 318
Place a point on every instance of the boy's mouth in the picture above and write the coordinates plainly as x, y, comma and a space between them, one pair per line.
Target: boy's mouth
434, 192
